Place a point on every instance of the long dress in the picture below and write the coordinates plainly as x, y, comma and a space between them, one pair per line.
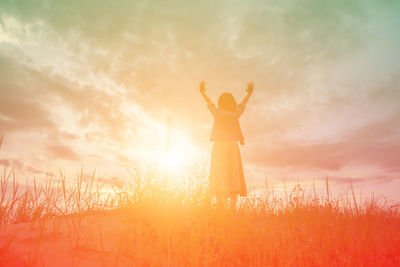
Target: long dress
226, 171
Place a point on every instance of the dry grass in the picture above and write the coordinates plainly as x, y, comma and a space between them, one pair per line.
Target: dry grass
158, 224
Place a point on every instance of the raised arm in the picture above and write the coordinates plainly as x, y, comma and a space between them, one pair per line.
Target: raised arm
203, 92
249, 90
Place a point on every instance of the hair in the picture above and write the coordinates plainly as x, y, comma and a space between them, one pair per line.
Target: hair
227, 102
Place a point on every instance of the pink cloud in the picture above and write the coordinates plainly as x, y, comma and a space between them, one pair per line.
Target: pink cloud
62, 152
376, 144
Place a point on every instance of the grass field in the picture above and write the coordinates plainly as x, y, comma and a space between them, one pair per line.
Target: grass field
84, 222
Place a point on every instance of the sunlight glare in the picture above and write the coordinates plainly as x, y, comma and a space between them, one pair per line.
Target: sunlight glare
180, 154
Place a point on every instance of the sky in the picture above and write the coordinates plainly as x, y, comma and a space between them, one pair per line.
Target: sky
112, 85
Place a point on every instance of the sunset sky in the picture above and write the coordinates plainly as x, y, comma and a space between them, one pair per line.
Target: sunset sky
95, 84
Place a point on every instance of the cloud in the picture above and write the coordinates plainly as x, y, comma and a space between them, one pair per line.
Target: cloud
22, 168
322, 156
32, 101
14, 163
374, 179
21, 114
90, 78
62, 152
21, 107
375, 144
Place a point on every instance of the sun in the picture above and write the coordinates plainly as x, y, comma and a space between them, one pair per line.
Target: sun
179, 155
167, 150
171, 162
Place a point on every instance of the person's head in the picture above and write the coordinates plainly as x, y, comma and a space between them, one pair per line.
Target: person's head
227, 102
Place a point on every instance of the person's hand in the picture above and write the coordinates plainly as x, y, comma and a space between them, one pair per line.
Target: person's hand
250, 87
202, 87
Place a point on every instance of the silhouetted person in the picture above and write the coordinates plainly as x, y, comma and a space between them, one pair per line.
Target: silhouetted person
226, 177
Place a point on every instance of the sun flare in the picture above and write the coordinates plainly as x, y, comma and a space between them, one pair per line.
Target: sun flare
172, 151
178, 155
172, 162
